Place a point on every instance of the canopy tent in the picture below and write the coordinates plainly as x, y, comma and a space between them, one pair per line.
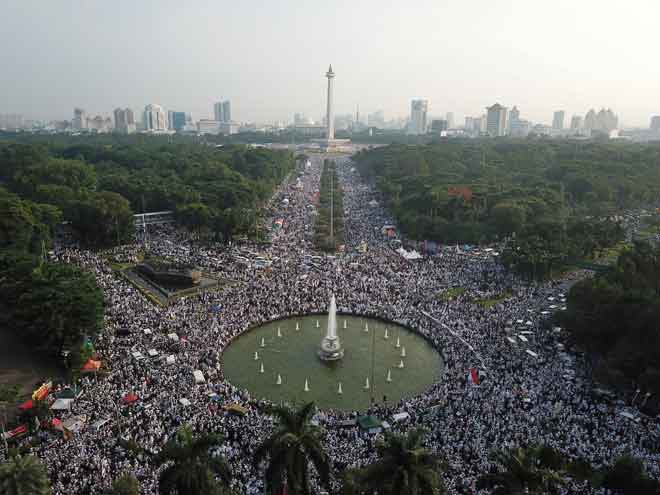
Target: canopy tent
400, 416
236, 409
171, 359
26, 406
130, 398
370, 424
152, 352
62, 405
74, 424
184, 402
173, 337
199, 376
68, 393
409, 255
91, 366
42, 392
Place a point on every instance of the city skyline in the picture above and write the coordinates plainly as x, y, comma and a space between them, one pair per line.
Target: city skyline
443, 54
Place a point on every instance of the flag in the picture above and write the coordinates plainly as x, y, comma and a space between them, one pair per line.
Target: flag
473, 376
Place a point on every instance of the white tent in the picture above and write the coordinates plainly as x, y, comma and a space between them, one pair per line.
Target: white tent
400, 416
173, 337
199, 376
531, 353
152, 352
184, 402
62, 405
170, 359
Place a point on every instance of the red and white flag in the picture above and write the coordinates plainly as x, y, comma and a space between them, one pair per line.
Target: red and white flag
473, 376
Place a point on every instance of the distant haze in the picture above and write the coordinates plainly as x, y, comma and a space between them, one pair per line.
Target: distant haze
269, 56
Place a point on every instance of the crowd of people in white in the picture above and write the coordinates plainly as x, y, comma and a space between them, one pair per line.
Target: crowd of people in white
542, 396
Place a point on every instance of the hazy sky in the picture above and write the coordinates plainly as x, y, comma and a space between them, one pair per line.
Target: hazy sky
269, 56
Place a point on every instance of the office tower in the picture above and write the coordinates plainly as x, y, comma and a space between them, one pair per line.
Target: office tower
206, 126
439, 126
590, 120
155, 118
450, 120
79, 121
124, 120
418, 111
222, 111
496, 120
558, 120
655, 123
514, 118
177, 120
576, 123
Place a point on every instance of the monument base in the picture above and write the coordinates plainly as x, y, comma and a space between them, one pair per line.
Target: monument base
330, 351
334, 145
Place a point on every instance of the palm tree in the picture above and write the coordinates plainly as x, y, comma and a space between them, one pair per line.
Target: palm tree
405, 468
290, 448
24, 475
520, 471
191, 468
126, 484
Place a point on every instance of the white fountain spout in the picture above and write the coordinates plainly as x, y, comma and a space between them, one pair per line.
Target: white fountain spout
331, 349
398, 343
366, 327
263, 342
279, 379
297, 326
386, 335
389, 375
256, 356
279, 332
317, 324
401, 364
403, 351
339, 390
306, 385
344, 323
366, 384
261, 369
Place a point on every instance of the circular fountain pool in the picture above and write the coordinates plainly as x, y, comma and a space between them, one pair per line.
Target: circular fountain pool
293, 356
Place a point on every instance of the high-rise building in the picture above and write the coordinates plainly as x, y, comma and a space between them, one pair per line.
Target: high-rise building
576, 123
514, 118
418, 113
222, 111
439, 126
558, 120
450, 120
79, 121
496, 120
124, 120
655, 123
206, 126
177, 120
155, 119
604, 121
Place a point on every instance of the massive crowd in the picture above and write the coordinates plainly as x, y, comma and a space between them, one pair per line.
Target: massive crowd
531, 390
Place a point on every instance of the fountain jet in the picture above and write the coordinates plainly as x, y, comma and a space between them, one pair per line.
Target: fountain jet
331, 349
279, 332
306, 385
344, 323
279, 379
366, 384
386, 335
261, 369
339, 390
366, 327
389, 376
403, 351
263, 342
398, 343
401, 364
256, 356
297, 327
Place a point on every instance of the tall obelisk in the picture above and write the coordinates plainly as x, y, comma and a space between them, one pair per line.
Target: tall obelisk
330, 116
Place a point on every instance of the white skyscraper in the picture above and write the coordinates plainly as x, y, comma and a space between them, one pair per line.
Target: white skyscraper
558, 120
155, 118
222, 111
450, 120
496, 120
418, 111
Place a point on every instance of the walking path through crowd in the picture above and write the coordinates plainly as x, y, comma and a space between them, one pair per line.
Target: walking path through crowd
538, 397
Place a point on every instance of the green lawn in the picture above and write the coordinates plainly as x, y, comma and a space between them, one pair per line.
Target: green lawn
451, 293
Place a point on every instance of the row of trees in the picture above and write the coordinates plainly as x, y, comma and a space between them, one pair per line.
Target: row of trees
50, 305
543, 470
547, 193
97, 187
329, 229
614, 317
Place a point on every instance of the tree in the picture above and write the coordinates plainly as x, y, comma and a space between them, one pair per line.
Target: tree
405, 467
126, 484
627, 476
519, 471
105, 219
52, 305
24, 475
191, 468
194, 216
294, 444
